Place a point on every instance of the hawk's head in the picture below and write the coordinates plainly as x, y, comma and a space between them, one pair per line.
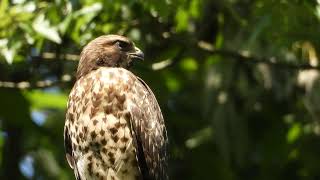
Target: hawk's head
108, 51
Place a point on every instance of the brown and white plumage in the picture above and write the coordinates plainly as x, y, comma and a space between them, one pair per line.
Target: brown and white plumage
114, 127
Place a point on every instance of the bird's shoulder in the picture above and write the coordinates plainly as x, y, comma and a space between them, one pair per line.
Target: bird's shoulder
103, 80
107, 76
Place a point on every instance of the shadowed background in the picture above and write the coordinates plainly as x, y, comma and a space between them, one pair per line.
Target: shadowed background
237, 81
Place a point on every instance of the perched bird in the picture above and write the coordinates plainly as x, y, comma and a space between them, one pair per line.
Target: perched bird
114, 127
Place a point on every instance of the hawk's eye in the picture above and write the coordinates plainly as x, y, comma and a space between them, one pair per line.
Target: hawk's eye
123, 45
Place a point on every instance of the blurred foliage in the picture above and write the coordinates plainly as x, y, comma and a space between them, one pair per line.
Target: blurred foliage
237, 81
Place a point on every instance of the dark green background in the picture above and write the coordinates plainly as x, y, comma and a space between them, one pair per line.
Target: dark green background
237, 81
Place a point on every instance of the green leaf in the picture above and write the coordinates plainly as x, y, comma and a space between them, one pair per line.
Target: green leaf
3, 6
40, 99
92, 9
182, 20
9, 52
5, 18
189, 64
173, 84
83, 17
42, 26
64, 25
194, 8
23, 12
294, 133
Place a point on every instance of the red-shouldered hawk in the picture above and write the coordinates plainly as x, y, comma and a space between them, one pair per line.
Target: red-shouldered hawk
114, 127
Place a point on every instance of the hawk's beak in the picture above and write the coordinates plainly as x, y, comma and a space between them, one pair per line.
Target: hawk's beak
137, 54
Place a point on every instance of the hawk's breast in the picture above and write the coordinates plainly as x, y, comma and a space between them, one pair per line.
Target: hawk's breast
98, 123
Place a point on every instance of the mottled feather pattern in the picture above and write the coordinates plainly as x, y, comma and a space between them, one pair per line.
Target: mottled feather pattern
149, 125
111, 116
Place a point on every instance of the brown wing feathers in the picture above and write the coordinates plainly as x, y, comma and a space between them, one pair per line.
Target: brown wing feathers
151, 137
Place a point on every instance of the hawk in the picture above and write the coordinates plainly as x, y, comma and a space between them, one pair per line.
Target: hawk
114, 127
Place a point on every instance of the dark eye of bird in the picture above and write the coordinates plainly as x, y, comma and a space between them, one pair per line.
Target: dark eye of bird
123, 45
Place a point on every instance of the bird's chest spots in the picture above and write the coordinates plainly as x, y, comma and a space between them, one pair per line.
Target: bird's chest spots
107, 143
99, 126
104, 133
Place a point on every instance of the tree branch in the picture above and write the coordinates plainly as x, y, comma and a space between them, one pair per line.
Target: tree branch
207, 47
37, 85
54, 56
252, 59
245, 57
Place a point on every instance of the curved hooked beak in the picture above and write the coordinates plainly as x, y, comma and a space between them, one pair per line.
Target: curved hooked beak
137, 54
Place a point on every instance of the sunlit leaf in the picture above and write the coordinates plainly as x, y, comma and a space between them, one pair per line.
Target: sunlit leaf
63, 26
18, 1
5, 19
43, 27
23, 12
189, 64
3, 6
195, 8
92, 9
9, 52
294, 133
219, 40
182, 20
83, 18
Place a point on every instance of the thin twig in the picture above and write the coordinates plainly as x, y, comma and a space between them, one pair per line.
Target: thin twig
37, 85
54, 56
